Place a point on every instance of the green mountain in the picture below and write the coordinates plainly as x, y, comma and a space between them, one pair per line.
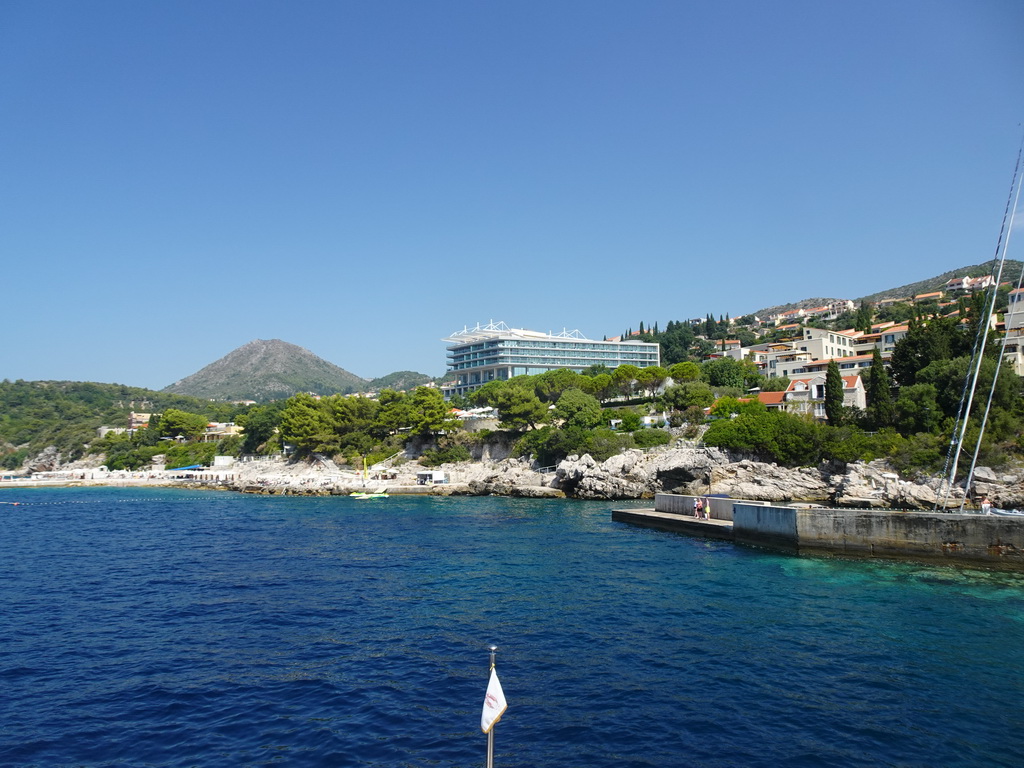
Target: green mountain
401, 381
268, 370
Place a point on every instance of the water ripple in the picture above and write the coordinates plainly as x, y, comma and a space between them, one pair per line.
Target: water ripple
171, 629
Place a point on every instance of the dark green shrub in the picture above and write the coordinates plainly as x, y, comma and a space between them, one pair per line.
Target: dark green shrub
449, 454
648, 438
187, 454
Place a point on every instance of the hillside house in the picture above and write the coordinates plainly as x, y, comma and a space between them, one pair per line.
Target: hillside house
137, 421
218, 430
971, 283
807, 394
847, 365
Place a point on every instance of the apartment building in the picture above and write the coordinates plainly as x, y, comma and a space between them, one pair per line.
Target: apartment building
496, 352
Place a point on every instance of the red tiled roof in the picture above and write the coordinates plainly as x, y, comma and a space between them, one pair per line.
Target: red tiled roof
771, 398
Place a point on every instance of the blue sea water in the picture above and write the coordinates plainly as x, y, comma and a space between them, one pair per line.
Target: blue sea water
175, 628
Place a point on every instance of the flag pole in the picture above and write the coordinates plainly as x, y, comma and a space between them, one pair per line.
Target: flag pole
494, 707
490, 733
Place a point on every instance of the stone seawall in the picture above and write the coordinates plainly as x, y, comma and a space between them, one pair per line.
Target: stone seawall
991, 540
769, 526
994, 540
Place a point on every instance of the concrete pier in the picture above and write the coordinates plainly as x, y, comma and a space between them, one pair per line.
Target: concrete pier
672, 521
923, 536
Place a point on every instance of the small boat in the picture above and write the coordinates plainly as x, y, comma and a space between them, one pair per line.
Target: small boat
380, 493
1007, 512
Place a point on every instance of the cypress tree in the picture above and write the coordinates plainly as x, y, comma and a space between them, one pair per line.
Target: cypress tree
863, 318
881, 410
833, 394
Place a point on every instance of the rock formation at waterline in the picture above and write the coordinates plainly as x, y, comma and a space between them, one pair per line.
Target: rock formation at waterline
633, 475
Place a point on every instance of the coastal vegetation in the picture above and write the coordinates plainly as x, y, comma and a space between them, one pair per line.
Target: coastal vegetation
67, 415
908, 419
913, 403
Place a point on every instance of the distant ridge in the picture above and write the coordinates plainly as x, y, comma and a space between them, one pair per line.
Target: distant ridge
267, 370
400, 380
1011, 273
802, 304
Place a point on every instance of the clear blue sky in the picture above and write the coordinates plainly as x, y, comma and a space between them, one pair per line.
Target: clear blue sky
364, 178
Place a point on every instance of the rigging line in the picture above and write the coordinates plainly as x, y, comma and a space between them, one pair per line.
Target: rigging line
954, 443
1009, 211
979, 353
999, 357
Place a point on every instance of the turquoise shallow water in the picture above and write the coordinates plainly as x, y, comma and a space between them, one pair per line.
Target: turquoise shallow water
167, 628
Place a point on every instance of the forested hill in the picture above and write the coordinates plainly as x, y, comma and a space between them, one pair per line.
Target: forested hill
268, 370
400, 381
66, 414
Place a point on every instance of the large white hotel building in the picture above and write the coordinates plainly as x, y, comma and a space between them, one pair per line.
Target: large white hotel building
495, 352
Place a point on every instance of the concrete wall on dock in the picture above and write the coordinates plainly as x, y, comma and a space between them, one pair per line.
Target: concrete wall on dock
721, 509
772, 526
968, 538
976, 538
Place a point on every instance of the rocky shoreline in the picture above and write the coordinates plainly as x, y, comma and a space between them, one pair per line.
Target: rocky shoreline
632, 475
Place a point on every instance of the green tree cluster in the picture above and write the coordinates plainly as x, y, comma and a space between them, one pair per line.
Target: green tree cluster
353, 426
908, 416
67, 415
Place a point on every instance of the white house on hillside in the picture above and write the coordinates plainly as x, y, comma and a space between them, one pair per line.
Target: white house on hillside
807, 394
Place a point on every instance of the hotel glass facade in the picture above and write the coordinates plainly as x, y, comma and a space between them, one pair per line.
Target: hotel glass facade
496, 352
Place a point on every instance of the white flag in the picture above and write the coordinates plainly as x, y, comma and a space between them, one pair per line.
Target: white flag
494, 703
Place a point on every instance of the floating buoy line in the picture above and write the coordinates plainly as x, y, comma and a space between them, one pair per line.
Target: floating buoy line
97, 501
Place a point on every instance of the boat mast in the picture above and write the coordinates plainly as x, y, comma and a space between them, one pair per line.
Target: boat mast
956, 442
999, 357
